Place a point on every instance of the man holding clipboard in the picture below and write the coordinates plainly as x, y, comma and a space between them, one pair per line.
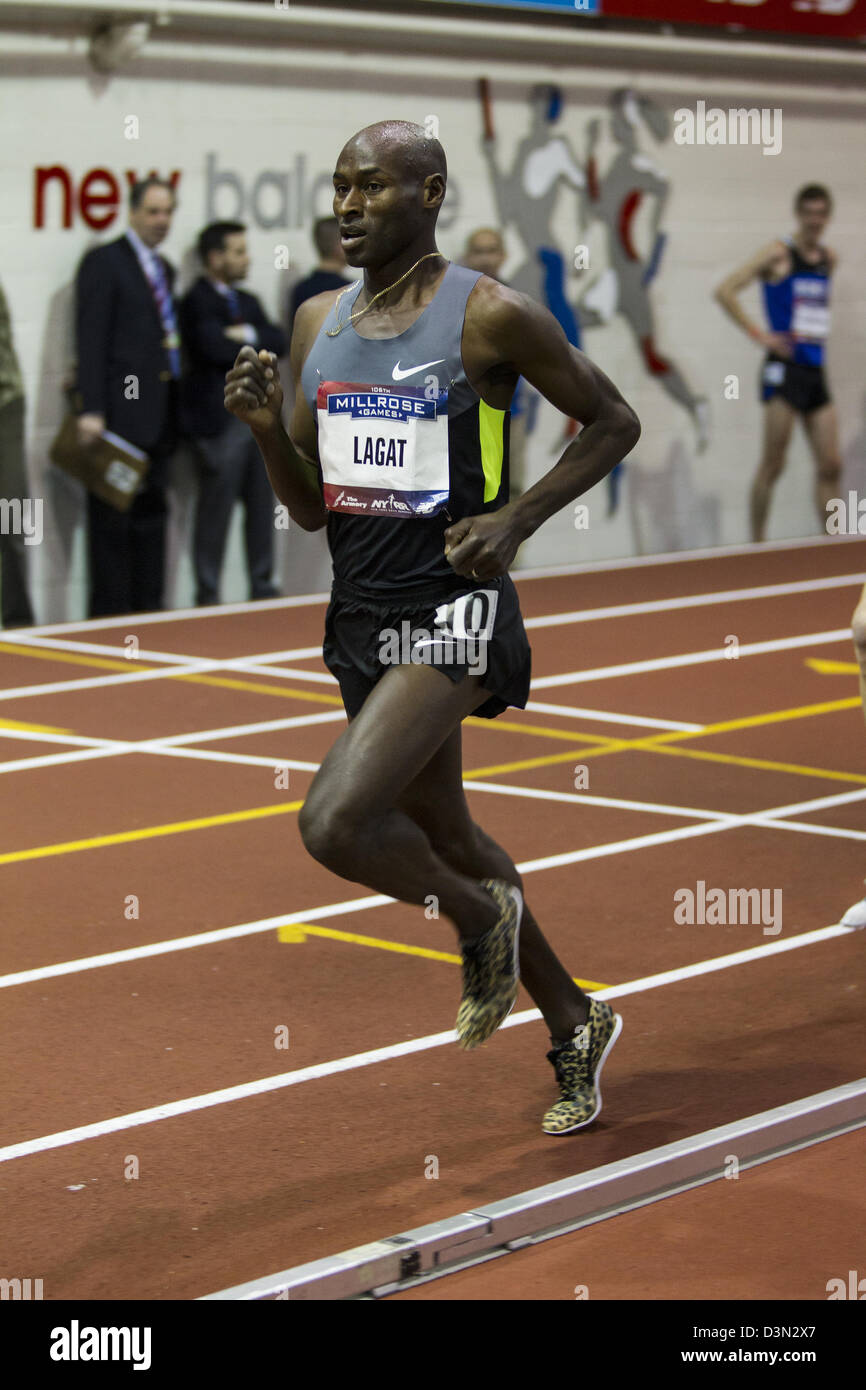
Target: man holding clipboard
128, 352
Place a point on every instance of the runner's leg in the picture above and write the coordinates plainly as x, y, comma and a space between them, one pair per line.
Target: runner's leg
822, 431
349, 821
435, 800
778, 424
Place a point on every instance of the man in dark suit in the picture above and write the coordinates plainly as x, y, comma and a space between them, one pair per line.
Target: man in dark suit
216, 321
128, 367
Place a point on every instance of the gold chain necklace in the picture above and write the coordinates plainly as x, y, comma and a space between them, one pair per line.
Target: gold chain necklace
332, 332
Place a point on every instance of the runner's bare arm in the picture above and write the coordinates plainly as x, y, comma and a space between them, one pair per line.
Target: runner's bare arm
509, 335
254, 393
769, 258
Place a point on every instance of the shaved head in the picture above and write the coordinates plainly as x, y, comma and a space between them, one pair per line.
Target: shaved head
389, 185
417, 153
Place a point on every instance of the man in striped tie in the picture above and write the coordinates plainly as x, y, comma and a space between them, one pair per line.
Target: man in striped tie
128, 350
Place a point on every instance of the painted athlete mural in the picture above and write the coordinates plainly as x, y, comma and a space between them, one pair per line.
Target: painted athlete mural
526, 197
544, 163
624, 286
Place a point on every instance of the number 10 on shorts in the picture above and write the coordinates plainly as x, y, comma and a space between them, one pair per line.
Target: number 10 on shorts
471, 616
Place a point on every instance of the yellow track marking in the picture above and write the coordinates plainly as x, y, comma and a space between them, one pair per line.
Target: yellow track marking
832, 668
262, 688
498, 769
258, 688
32, 728
754, 721
763, 764
129, 664
567, 735
296, 932
749, 721
651, 742
149, 832
71, 658
661, 743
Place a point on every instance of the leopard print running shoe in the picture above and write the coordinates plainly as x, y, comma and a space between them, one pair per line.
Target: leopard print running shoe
578, 1065
490, 969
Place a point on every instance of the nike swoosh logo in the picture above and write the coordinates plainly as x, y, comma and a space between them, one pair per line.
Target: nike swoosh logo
398, 375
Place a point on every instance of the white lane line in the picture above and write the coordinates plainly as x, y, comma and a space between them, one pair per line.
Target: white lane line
707, 967
144, 654
86, 755
241, 666
766, 820
322, 1070
548, 572
171, 745
36, 636
288, 673
203, 755
601, 716
666, 663
211, 755
540, 683
249, 664
37, 736
680, 557
614, 802
177, 615
264, 726
255, 665
665, 605
724, 821
807, 828
27, 692
186, 943
175, 744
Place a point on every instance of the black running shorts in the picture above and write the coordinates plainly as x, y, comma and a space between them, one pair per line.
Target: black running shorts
804, 388
465, 629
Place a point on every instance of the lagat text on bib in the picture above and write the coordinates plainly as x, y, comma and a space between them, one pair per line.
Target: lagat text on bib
384, 452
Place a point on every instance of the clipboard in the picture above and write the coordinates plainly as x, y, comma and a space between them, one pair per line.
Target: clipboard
112, 468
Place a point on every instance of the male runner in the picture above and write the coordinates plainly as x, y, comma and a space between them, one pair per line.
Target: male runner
411, 480
795, 272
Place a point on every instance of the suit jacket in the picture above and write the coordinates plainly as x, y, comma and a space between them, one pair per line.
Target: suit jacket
119, 334
204, 317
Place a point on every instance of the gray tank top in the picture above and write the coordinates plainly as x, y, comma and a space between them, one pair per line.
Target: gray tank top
416, 373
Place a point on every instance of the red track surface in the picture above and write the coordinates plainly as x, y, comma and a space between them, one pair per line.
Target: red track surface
782, 1230
239, 1189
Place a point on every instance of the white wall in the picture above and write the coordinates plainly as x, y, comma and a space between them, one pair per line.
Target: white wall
264, 109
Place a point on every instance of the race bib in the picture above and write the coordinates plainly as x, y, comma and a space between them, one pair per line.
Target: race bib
810, 319
383, 452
